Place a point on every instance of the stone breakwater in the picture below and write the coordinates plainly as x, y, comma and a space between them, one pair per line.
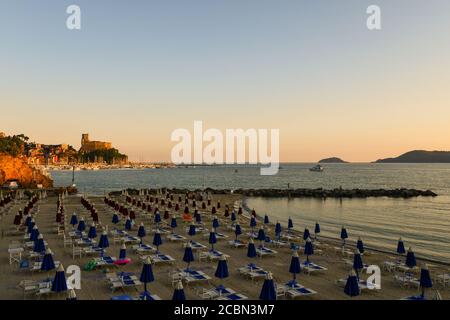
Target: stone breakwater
302, 193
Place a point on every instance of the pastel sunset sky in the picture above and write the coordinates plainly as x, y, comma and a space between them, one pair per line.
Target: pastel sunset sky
137, 70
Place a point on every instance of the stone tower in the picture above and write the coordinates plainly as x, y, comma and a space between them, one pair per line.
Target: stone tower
84, 139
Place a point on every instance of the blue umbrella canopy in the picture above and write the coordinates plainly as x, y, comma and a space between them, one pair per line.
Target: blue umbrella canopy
352, 285
178, 293
28, 220
425, 278
233, 216
266, 219
47, 262
212, 239
290, 223
360, 245
251, 250
344, 234
278, 230
73, 219
294, 267
309, 249
192, 230
252, 222
59, 283
237, 230
39, 245
81, 225
173, 223
306, 234
317, 228
103, 242
401, 247
115, 218
128, 224
215, 223
222, 268
357, 262
92, 232
123, 252
31, 225
34, 233
157, 217
261, 235
410, 259
157, 241
188, 256
268, 289
141, 231
198, 218
147, 273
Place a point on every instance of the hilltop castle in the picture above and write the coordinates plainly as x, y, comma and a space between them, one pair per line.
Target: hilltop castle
88, 146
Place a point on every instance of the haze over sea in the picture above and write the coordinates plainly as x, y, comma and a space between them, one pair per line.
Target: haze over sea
423, 223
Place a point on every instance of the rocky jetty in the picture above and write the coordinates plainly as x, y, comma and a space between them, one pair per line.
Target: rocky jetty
306, 193
16, 168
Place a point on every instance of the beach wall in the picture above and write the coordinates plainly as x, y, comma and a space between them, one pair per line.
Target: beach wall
16, 168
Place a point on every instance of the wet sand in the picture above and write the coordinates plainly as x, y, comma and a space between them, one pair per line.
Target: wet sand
95, 286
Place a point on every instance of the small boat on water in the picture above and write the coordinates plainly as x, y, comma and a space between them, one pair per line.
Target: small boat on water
317, 168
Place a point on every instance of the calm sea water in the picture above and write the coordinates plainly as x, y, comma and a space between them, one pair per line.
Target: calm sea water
424, 223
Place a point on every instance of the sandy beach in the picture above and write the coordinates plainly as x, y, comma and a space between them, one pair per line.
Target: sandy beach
95, 286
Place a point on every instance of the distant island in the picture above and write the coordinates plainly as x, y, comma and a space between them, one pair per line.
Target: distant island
332, 160
419, 156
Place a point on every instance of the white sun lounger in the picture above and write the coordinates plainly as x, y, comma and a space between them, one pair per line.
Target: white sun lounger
263, 251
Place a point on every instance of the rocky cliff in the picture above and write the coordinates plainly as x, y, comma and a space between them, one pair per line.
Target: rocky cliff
18, 169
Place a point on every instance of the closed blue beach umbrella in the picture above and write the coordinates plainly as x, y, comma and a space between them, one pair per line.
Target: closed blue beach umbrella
81, 225
317, 229
192, 230
92, 234
115, 218
261, 236
28, 220
290, 223
237, 230
188, 256
352, 285
268, 289
212, 239
141, 231
39, 245
178, 293
357, 262
215, 223
123, 252
425, 279
251, 250
266, 219
306, 234
147, 274
59, 283
157, 217
47, 262
157, 241
73, 220
222, 268
252, 223
198, 218
103, 243
278, 230
34, 233
401, 247
128, 224
294, 267
173, 223
344, 235
360, 245
233, 216
309, 249
31, 226
410, 259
